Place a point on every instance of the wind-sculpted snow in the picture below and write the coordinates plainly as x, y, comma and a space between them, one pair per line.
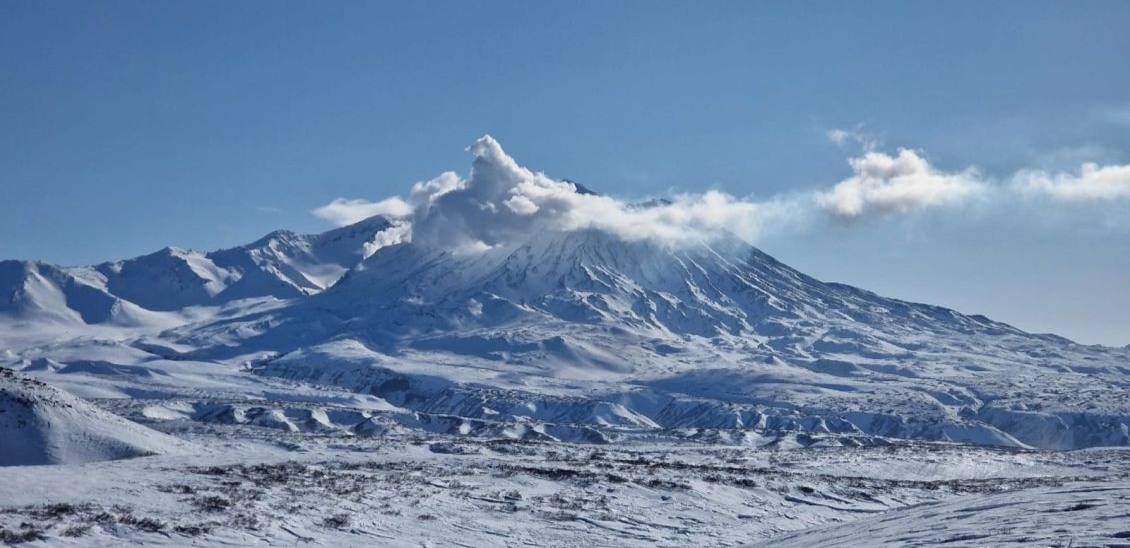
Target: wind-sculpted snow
1071, 515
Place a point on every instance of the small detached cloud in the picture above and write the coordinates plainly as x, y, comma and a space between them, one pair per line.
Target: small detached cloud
883, 184
343, 212
1091, 182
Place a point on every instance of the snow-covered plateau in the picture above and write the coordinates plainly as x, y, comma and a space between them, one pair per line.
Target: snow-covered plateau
496, 368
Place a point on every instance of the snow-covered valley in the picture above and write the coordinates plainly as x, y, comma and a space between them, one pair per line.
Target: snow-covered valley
539, 384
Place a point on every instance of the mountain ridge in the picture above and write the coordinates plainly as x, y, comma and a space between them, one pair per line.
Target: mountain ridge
281, 265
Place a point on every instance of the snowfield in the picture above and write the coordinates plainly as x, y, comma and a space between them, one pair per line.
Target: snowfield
540, 385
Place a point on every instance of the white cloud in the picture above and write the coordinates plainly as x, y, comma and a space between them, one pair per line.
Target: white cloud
1092, 182
883, 184
343, 212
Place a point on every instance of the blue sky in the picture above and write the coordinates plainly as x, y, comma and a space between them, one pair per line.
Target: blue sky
128, 126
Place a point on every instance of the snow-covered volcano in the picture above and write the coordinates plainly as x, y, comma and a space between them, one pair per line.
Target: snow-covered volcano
543, 311
721, 287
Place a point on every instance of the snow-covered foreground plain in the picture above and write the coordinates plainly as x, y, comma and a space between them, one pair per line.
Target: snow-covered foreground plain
250, 485
549, 380
268, 460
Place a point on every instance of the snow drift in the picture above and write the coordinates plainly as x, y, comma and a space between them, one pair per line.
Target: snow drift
40, 424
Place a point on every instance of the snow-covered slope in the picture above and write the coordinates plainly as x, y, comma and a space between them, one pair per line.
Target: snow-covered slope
40, 424
35, 292
282, 265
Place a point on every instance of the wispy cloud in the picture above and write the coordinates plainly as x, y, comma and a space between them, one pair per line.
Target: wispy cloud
1114, 114
342, 212
857, 136
1091, 182
501, 202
